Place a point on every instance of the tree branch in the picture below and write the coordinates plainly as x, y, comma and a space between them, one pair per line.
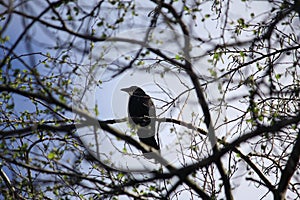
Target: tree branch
23, 34
289, 170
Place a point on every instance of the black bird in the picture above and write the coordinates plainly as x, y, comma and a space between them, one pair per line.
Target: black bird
141, 113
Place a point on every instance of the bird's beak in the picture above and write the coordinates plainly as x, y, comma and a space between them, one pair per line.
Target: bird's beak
125, 90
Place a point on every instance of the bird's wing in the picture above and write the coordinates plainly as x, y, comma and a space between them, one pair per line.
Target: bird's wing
152, 113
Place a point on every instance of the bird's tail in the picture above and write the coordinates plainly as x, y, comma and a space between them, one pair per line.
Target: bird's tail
147, 136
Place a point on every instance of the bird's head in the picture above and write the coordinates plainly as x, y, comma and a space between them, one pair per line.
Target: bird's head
131, 90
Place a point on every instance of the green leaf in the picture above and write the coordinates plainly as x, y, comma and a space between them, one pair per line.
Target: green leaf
152, 188
242, 54
241, 21
120, 175
177, 57
96, 110
141, 62
51, 156
100, 23
278, 76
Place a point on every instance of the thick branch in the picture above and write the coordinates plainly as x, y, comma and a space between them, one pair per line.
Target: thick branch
230, 146
289, 170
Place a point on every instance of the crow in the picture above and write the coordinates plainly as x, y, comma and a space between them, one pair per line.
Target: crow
141, 113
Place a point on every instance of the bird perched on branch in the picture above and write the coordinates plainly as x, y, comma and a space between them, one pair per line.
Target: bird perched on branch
141, 113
